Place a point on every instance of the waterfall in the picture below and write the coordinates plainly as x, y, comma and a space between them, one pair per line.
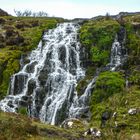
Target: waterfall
118, 53
46, 85
80, 105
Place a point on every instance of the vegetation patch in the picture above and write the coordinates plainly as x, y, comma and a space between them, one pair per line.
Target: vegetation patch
107, 84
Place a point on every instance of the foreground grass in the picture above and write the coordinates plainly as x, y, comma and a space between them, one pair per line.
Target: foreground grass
19, 127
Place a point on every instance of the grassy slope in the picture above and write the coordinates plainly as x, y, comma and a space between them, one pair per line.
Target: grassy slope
19, 127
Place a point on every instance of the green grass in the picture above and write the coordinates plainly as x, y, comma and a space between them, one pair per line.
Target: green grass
20, 127
9, 64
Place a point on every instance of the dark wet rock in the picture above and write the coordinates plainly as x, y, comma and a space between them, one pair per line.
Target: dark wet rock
31, 86
43, 76
18, 84
30, 67
105, 116
23, 103
62, 113
26, 98
62, 54
10, 104
72, 62
121, 35
39, 100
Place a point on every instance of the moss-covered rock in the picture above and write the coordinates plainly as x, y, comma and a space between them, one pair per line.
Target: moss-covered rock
107, 84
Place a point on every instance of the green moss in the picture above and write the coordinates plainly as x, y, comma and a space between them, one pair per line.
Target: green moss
22, 110
9, 61
33, 35
82, 84
107, 84
98, 56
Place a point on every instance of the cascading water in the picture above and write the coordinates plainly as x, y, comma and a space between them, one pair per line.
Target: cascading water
47, 84
118, 54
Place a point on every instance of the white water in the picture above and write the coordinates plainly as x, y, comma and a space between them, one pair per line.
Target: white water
80, 104
116, 55
49, 80
59, 58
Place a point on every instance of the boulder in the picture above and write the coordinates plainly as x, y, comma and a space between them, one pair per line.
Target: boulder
132, 111
72, 123
94, 132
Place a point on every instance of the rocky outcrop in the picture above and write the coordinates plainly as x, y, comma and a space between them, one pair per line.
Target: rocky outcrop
3, 13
